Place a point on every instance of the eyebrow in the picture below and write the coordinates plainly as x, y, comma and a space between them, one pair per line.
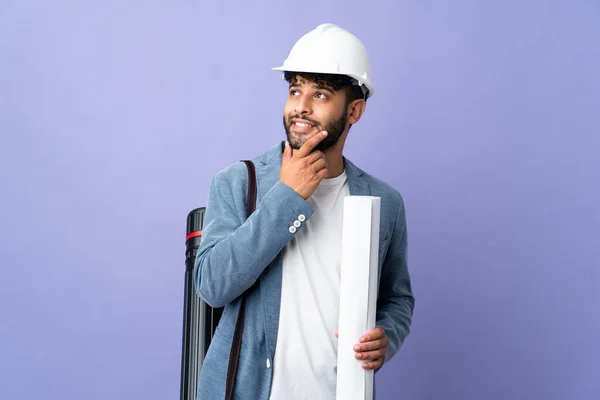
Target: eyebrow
318, 87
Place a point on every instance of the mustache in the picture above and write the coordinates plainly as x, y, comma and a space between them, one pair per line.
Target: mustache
312, 121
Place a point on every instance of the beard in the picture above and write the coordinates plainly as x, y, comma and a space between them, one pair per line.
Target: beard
334, 127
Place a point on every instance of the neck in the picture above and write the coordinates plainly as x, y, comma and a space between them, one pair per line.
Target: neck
335, 163
334, 157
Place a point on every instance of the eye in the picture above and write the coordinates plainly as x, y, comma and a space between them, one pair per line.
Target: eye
293, 92
321, 95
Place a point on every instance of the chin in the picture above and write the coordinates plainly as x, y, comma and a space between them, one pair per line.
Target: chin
297, 139
295, 143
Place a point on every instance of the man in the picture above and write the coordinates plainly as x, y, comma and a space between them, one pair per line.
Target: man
286, 255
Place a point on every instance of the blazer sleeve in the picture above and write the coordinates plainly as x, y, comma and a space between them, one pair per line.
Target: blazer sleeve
395, 303
234, 250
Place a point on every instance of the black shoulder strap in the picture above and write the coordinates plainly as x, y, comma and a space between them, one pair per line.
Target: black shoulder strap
236, 345
251, 202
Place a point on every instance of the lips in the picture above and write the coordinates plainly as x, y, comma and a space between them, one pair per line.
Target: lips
302, 123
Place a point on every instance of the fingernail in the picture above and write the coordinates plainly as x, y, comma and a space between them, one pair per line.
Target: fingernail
362, 339
356, 348
324, 133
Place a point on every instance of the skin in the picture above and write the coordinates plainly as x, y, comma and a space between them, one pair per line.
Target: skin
320, 105
304, 166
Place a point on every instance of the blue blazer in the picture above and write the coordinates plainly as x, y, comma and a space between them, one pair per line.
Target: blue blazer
236, 252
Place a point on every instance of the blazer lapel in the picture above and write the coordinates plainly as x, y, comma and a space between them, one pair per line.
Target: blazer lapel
357, 185
267, 170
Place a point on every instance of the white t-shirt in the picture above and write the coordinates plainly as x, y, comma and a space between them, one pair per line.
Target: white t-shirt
305, 363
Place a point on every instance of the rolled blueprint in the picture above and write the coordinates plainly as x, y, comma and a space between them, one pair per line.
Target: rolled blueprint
358, 293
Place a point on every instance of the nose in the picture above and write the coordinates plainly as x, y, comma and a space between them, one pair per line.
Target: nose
303, 105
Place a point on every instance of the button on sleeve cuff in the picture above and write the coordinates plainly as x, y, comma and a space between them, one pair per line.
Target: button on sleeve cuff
292, 209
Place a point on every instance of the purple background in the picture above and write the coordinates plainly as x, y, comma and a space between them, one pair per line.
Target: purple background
114, 116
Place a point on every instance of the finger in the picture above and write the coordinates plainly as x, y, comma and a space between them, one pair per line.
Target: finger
314, 156
337, 335
373, 364
310, 144
372, 345
375, 334
319, 165
322, 174
370, 355
287, 151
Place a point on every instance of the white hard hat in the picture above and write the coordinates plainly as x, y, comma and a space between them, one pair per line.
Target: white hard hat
329, 49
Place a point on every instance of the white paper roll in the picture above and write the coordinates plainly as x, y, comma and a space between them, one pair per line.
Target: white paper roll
358, 293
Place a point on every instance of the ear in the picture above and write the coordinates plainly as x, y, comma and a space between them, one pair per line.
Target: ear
356, 110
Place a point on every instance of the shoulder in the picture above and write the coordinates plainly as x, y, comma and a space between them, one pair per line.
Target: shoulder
380, 188
232, 173
392, 202
393, 212
235, 175
230, 181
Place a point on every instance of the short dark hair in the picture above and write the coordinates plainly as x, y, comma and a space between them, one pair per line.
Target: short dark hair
334, 81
